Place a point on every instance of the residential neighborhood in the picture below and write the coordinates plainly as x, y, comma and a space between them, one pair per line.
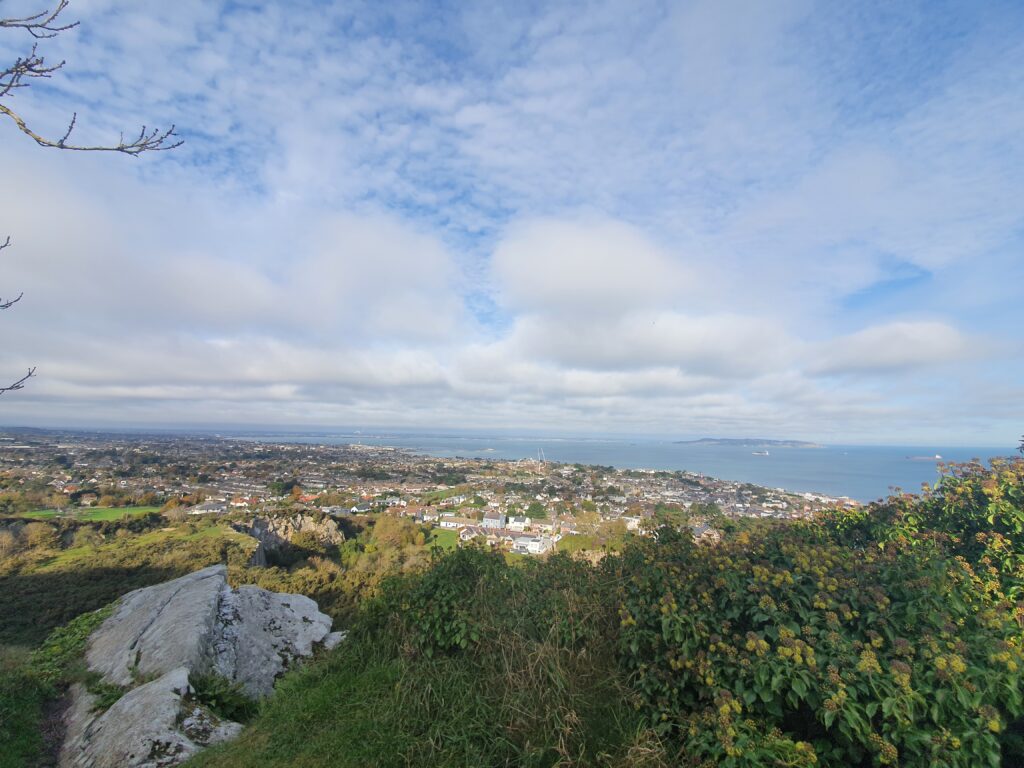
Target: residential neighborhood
527, 507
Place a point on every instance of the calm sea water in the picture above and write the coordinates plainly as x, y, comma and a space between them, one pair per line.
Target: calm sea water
860, 472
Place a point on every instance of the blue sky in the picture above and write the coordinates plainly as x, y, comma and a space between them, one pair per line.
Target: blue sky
788, 219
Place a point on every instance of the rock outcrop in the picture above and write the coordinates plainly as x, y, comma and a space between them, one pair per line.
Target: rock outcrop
156, 638
276, 534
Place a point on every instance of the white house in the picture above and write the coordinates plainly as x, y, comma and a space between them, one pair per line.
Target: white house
532, 545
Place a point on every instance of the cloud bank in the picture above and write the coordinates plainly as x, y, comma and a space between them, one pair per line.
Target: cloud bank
707, 218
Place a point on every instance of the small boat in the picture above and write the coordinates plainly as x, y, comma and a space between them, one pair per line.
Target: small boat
760, 453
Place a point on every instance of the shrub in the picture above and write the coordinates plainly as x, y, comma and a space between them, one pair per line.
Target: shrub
789, 649
974, 512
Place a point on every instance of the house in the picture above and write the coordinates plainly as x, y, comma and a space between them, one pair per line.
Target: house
452, 521
414, 511
518, 523
532, 545
337, 511
209, 508
494, 520
705, 534
360, 509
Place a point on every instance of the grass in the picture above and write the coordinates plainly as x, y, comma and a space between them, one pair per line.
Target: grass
28, 680
445, 538
445, 493
21, 708
43, 589
520, 697
91, 514
576, 543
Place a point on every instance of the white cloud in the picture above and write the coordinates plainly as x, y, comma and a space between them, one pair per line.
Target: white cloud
897, 346
623, 217
585, 269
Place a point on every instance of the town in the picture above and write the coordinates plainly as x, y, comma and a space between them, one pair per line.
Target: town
528, 507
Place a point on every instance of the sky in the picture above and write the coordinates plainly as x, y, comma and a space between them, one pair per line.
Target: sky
788, 219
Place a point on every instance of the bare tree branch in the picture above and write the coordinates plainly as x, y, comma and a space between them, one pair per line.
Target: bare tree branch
42, 24
10, 302
6, 304
18, 75
148, 140
20, 383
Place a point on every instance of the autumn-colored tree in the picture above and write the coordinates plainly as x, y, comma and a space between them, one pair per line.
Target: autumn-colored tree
40, 535
87, 537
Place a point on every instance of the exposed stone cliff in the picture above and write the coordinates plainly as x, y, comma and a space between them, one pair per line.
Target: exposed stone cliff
276, 534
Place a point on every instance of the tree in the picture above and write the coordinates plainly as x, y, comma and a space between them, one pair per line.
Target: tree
33, 66
40, 535
536, 511
87, 537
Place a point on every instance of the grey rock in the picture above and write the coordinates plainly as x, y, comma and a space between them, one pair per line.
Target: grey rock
141, 728
157, 629
275, 533
333, 640
155, 638
261, 633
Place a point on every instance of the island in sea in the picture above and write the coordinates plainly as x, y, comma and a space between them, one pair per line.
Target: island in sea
749, 442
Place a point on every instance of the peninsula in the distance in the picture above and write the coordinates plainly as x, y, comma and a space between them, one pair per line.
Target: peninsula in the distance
749, 442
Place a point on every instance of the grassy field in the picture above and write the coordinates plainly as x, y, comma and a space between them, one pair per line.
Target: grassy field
445, 538
576, 543
95, 514
447, 493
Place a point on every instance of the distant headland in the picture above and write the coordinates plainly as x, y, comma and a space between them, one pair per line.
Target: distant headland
749, 442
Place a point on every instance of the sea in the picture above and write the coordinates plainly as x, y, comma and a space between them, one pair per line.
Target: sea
859, 472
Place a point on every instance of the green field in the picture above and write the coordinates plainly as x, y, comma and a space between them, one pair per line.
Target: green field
576, 543
445, 538
447, 493
91, 514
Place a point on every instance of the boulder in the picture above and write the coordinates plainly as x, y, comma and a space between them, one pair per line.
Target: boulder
260, 633
160, 628
155, 724
156, 638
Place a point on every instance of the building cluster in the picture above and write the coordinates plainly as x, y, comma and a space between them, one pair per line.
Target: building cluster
527, 506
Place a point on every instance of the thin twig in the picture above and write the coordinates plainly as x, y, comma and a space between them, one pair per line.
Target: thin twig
20, 383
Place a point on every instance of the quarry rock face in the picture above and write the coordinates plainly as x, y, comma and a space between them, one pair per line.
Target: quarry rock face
276, 533
156, 638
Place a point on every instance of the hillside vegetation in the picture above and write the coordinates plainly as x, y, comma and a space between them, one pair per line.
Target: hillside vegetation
890, 635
